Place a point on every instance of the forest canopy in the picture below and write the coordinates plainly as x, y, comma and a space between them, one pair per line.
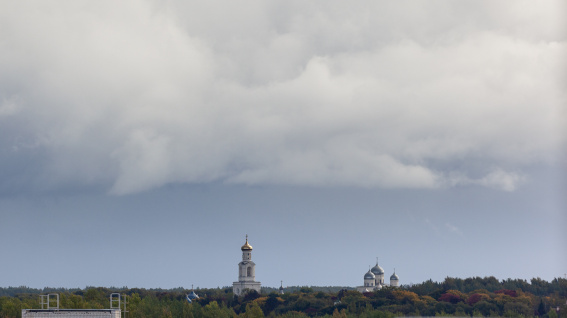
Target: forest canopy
473, 297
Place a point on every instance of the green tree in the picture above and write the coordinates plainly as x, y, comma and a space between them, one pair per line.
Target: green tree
213, 310
271, 303
551, 313
541, 308
10, 308
341, 314
197, 309
485, 308
166, 313
187, 310
253, 311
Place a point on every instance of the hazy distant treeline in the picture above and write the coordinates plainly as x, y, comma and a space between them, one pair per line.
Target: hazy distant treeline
453, 297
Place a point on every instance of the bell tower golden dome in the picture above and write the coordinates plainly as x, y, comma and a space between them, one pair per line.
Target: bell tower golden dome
246, 246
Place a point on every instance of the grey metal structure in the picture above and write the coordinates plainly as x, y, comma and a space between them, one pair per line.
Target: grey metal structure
115, 301
118, 301
124, 302
46, 301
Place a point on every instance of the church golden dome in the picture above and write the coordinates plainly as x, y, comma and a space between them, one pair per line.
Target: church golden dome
246, 246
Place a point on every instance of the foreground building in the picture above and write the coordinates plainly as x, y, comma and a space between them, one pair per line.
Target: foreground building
70, 313
50, 309
246, 272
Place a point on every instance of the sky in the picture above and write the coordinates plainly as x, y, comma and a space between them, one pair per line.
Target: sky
140, 141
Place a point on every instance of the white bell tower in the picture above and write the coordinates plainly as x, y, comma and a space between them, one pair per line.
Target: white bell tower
246, 272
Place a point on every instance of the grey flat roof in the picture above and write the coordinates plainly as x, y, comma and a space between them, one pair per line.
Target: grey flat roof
70, 310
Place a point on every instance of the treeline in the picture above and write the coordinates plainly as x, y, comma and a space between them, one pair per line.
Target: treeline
13, 291
292, 289
535, 286
472, 297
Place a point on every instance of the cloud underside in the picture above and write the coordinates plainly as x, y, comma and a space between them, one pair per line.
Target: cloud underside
138, 95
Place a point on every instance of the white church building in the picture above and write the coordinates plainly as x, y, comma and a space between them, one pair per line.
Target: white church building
246, 272
374, 279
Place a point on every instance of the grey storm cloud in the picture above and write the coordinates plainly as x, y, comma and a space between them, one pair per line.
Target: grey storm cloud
135, 95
